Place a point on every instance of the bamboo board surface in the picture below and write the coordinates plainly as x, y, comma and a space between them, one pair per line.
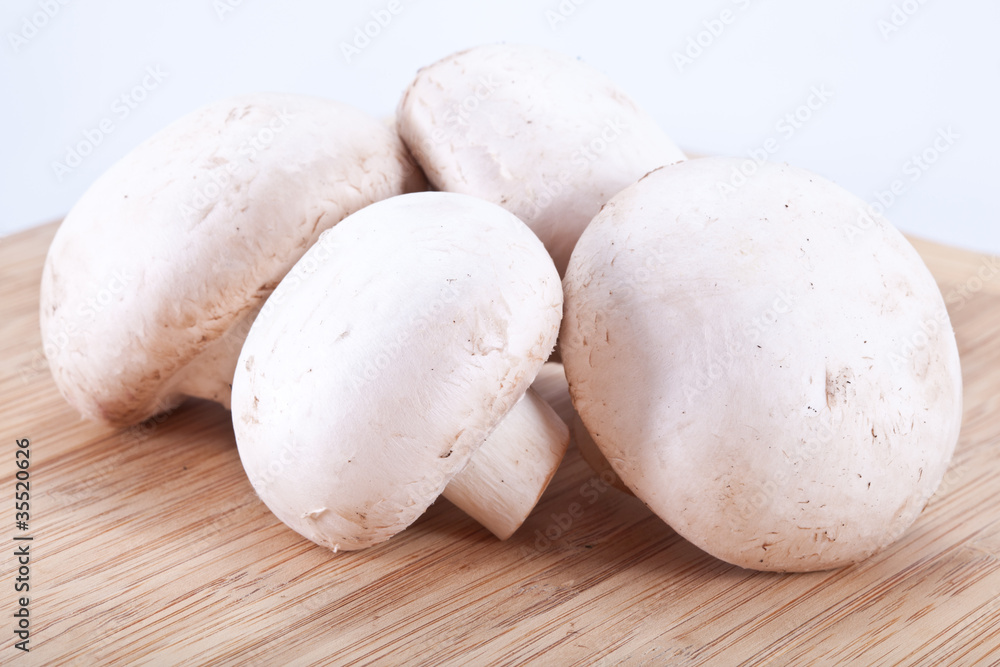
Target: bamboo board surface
150, 547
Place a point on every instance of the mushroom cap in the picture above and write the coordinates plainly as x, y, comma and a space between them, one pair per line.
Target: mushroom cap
186, 236
371, 377
770, 368
546, 136
591, 453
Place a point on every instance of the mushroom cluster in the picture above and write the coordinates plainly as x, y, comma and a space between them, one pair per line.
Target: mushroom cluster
779, 384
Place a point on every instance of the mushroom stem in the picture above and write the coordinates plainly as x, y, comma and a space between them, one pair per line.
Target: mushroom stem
508, 473
210, 374
551, 385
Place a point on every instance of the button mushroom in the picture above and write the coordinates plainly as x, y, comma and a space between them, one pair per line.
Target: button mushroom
770, 368
366, 387
187, 235
544, 135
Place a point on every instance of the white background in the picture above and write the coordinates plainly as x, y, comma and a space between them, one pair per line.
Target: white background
893, 90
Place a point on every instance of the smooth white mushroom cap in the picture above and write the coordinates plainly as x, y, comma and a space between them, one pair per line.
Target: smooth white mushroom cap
368, 382
770, 368
546, 136
189, 233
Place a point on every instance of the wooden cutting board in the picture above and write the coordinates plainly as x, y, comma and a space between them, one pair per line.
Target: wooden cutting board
149, 547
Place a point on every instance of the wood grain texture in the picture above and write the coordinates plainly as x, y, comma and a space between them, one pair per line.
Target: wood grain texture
151, 548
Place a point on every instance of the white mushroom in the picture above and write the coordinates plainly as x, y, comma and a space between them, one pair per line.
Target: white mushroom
592, 454
183, 239
544, 135
770, 368
367, 384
